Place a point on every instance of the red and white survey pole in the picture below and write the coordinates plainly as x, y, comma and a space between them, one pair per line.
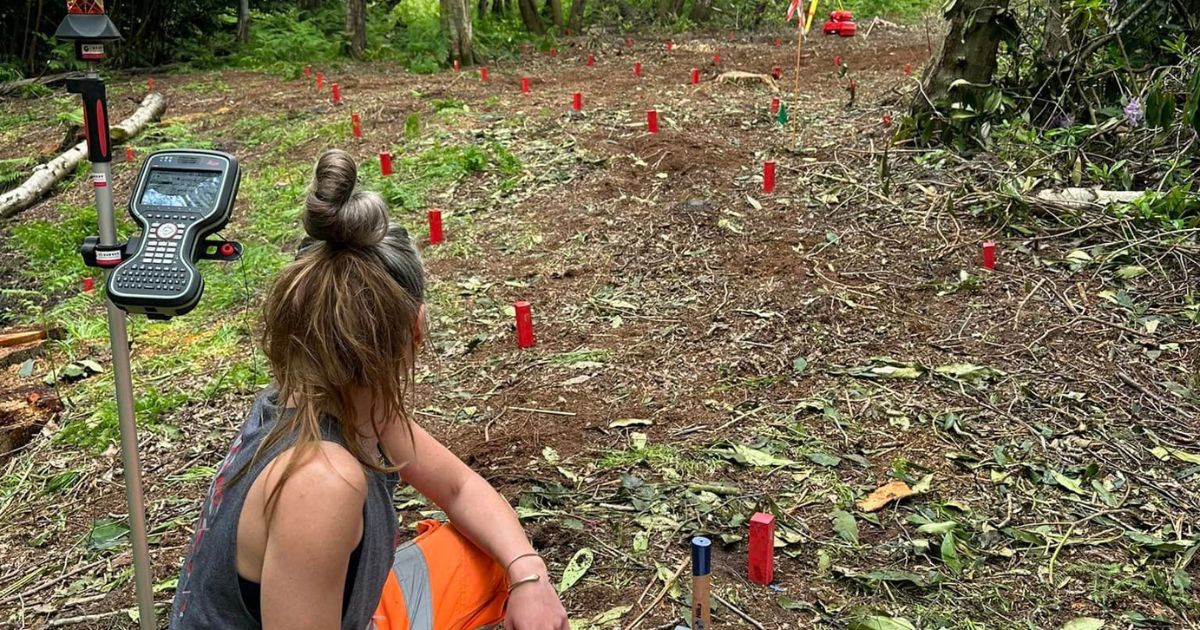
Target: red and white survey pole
89, 28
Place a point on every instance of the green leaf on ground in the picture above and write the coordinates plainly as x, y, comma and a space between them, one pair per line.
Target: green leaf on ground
969, 372
1164, 453
950, 553
886, 367
576, 569
943, 527
603, 620
92, 365
747, 456
1129, 272
876, 622
1067, 482
823, 459
799, 364
1083, 623
845, 526
107, 534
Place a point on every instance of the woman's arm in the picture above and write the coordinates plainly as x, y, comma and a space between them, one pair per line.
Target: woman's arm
483, 516
316, 525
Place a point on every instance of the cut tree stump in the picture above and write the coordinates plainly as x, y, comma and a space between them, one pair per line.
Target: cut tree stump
45, 176
22, 415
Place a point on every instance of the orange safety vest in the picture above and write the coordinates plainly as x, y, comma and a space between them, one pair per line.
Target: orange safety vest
441, 581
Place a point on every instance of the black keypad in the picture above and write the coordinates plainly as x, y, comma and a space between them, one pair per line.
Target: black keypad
151, 278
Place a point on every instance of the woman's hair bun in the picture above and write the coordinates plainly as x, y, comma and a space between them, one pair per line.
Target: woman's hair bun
337, 214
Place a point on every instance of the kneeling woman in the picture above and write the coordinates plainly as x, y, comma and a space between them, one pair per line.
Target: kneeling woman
298, 530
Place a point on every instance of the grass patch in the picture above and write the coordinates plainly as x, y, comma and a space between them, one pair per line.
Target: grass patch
216, 85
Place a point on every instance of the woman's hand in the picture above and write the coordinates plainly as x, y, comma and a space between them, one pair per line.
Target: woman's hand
534, 606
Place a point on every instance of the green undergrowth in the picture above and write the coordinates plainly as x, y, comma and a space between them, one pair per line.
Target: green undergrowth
211, 351
417, 174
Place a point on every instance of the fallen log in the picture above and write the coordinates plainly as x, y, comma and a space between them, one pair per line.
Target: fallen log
45, 176
1079, 198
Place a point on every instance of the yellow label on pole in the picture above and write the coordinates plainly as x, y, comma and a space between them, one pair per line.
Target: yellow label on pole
813, 11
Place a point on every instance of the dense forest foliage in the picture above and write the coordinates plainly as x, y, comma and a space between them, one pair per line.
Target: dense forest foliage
203, 33
1026, 69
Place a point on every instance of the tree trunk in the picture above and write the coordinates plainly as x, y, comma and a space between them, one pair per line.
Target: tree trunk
664, 10
529, 16
556, 14
456, 23
623, 11
483, 8
33, 39
310, 4
701, 10
243, 23
356, 27
1058, 33
575, 22
760, 10
968, 52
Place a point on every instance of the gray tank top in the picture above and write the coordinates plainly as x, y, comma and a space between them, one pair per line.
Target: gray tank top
208, 595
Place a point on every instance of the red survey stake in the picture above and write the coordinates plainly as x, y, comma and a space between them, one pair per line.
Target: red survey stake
385, 163
435, 227
768, 177
989, 255
652, 121
762, 549
524, 316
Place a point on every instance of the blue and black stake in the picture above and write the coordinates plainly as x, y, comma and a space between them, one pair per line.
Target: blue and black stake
701, 582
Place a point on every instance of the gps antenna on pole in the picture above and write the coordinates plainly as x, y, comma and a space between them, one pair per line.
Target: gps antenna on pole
89, 28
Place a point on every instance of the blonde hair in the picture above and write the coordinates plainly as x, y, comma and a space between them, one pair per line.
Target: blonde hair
342, 318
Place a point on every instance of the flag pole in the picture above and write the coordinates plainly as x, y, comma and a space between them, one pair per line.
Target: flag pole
796, 83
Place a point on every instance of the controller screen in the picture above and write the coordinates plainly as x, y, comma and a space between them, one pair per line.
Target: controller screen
187, 190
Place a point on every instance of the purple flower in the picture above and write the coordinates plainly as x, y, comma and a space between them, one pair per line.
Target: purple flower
1134, 112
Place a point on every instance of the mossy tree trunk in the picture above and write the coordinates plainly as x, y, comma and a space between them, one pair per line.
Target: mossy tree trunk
575, 23
356, 27
556, 14
529, 16
968, 53
243, 23
456, 24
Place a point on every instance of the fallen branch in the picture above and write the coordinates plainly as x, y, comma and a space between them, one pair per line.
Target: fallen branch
45, 176
738, 75
1088, 197
12, 86
661, 594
